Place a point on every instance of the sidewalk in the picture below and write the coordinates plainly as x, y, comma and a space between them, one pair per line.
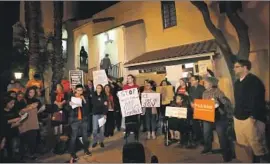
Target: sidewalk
112, 153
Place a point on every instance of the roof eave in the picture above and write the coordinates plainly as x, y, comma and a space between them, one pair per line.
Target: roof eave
170, 59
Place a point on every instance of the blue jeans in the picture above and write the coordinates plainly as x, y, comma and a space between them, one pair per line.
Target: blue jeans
151, 120
77, 127
221, 129
97, 136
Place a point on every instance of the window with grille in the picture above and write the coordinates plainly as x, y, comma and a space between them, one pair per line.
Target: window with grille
168, 14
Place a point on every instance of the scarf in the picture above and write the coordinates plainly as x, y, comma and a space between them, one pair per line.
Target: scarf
79, 111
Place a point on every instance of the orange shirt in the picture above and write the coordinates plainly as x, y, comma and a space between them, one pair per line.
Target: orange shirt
33, 82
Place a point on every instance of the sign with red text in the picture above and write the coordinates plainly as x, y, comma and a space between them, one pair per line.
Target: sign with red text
204, 110
150, 100
129, 102
75, 77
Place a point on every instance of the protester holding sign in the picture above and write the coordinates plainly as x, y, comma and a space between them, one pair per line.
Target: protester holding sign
134, 118
150, 111
181, 125
212, 92
100, 110
195, 92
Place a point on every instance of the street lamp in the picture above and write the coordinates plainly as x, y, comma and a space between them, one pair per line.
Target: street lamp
18, 75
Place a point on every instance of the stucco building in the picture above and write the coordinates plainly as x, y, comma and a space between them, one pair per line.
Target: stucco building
150, 36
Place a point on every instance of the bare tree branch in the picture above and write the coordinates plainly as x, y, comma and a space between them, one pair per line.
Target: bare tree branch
241, 30
217, 34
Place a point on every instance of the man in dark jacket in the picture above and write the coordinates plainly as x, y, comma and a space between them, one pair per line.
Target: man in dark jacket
195, 92
78, 119
250, 111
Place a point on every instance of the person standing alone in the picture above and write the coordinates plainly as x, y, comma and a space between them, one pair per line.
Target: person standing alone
250, 111
106, 64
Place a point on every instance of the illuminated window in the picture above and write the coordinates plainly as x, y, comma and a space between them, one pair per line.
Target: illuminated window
64, 43
168, 14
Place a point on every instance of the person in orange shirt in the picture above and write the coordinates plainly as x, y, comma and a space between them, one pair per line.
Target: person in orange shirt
35, 82
17, 87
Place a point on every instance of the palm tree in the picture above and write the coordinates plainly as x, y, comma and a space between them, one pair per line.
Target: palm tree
33, 20
58, 62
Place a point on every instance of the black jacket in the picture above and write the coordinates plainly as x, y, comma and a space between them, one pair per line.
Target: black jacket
98, 104
249, 97
196, 93
73, 113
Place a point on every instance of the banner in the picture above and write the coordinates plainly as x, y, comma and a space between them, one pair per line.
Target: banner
204, 110
150, 100
76, 77
100, 77
177, 112
129, 102
167, 94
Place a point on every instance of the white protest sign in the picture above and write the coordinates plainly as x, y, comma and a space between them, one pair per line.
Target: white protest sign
130, 102
100, 77
177, 112
150, 100
75, 77
203, 66
174, 73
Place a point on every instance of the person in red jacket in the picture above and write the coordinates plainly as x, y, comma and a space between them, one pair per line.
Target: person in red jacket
132, 122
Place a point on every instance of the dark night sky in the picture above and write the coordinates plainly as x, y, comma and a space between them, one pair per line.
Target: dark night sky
9, 15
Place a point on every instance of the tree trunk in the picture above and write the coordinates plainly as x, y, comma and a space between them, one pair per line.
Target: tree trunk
33, 25
58, 62
240, 27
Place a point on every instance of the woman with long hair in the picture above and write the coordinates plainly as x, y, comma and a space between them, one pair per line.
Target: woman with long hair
150, 113
100, 110
10, 125
59, 101
110, 123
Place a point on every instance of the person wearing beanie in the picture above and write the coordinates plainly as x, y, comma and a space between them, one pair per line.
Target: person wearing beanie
212, 92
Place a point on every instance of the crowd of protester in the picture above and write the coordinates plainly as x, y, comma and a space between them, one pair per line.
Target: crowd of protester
248, 117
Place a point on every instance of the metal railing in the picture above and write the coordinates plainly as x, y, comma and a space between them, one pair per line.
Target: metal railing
116, 70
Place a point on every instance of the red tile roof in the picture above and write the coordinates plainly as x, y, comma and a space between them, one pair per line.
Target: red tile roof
178, 51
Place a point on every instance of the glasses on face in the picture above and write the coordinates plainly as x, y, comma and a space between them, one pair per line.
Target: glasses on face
237, 66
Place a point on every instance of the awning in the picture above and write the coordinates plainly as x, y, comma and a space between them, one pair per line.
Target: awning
187, 51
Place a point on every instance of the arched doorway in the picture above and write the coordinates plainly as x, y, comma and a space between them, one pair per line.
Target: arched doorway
82, 58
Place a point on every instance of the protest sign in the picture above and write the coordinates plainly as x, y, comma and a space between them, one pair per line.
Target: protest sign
75, 77
100, 77
167, 94
204, 110
150, 100
130, 102
177, 112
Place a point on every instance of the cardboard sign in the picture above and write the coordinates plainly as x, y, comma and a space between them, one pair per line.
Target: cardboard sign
76, 77
167, 94
100, 77
204, 110
177, 112
129, 102
140, 78
150, 100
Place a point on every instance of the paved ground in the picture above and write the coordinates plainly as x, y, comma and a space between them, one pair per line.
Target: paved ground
112, 153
